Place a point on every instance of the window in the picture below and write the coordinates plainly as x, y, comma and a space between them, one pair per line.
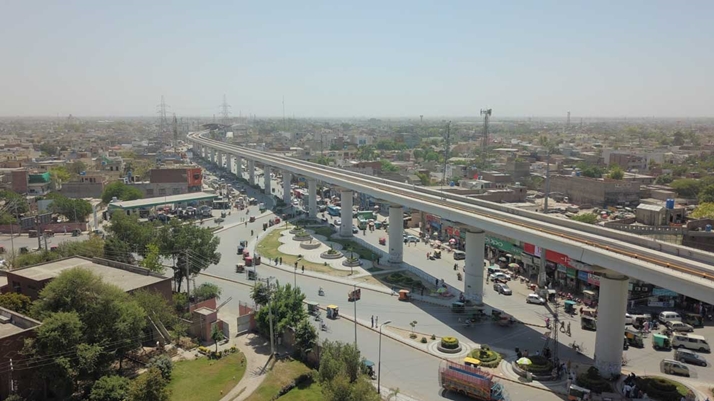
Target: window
176, 191
16, 287
150, 192
162, 191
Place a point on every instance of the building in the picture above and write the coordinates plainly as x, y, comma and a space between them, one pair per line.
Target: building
39, 184
15, 328
31, 280
628, 162
518, 168
597, 192
90, 185
171, 181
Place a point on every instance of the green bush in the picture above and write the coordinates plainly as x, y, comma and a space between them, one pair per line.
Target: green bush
659, 388
164, 364
593, 381
433, 337
488, 358
540, 365
423, 340
450, 342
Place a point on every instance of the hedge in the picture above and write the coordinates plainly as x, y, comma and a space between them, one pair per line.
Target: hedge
659, 388
450, 342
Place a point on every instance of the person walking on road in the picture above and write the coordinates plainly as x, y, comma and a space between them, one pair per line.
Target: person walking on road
376, 321
372, 321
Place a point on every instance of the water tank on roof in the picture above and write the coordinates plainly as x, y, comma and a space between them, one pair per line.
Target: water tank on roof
708, 228
577, 173
670, 204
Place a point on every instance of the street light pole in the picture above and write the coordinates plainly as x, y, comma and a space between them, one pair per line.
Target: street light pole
379, 361
354, 301
270, 316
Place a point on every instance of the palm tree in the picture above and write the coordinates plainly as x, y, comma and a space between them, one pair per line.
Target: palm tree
216, 335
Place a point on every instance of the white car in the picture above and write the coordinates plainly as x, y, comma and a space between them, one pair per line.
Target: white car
500, 276
535, 299
628, 319
411, 238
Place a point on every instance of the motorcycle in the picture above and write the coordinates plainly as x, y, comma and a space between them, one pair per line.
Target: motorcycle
321, 292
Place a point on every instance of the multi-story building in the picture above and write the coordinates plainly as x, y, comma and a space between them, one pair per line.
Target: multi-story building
90, 185
171, 181
15, 328
39, 184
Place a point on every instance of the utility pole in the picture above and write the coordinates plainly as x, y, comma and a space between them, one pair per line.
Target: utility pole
354, 301
446, 152
188, 280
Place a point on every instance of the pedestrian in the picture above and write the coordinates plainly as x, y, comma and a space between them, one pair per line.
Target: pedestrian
372, 321
568, 329
376, 321
427, 256
422, 291
525, 353
537, 353
303, 268
562, 326
437, 282
281, 260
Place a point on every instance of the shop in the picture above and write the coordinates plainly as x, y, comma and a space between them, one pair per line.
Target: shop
662, 298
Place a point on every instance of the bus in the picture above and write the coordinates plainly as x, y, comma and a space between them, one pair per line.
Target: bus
362, 223
334, 210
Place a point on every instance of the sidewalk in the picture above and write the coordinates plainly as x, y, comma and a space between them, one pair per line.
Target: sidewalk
257, 355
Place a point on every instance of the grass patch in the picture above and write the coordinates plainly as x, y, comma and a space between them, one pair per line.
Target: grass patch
304, 392
363, 252
405, 280
268, 249
203, 379
324, 231
282, 373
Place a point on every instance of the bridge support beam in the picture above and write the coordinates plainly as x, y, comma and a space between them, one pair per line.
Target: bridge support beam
239, 167
612, 306
396, 233
251, 172
542, 277
287, 196
312, 197
266, 179
473, 276
346, 202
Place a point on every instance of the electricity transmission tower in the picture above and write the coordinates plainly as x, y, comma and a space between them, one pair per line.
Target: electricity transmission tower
486, 113
174, 127
225, 113
163, 122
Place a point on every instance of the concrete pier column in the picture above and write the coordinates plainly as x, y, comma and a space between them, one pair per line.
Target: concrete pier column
287, 195
251, 172
346, 227
473, 276
312, 197
542, 277
239, 166
396, 234
266, 179
612, 305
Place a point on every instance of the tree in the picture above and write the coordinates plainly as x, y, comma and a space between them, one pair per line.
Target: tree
663, 179
260, 294
60, 173
191, 246
686, 187
149, 386
704, 211
678, 139
588, 218
128, 235
706, 194
216, 335
588, 170
207, 291
388, 167
16, 302
121, 191
366, 152
286, 305
49, 149
324, 160
14, 203
77, 167
164, 364
340, 374
616, 173
110, 388
75, 210
305, 337
156, 307
152, 259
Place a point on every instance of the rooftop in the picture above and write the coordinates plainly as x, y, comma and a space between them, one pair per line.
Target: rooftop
126, 279
162, 200
654, 208
12, 323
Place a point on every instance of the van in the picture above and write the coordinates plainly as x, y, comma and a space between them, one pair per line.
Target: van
672, 367
458, 255
665, 317
691, 341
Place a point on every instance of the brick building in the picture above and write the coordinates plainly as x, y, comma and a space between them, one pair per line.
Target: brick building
598, 192
31, 280
14, 329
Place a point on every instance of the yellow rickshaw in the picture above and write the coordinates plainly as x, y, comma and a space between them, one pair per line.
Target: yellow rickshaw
472, 362
333, 311
634, 338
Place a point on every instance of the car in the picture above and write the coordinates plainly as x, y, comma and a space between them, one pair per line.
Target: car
535, 299
500, 276
686, 356
628, 319
338, 222
502, 288
411, 238
355, 230
679, 326
458, 255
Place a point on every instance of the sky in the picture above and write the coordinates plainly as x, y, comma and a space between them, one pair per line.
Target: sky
358, 59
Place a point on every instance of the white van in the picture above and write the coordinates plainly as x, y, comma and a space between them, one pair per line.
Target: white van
667, 316
691, 341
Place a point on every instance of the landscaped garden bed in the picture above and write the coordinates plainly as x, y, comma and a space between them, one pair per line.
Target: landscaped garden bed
662, 389
488, 357
449, 345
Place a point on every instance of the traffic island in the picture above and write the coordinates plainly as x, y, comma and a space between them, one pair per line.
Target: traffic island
487, 357
663, 389
449, 345
332, 253
536, 367
302, 235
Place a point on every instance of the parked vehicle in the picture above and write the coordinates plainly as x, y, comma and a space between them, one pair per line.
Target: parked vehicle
690, 341
679, 326
672, 367
693, 319
692, 358
458, 255
669, 316
470, 381
535, 299
660, 341
588, 323
502, 288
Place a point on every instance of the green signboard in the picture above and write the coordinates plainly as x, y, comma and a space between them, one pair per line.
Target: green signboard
505, 246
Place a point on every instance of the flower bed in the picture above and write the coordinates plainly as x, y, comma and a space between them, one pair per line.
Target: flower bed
449, 345
488, 358
310, 244
331, 255
351, 262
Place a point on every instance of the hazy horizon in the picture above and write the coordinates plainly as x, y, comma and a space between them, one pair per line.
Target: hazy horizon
395, 60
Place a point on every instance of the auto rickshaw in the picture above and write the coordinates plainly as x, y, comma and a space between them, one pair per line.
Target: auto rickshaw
2, 250
369, 369
354, 295
76, 232
333, 311
661, 342
625, 344
634, 338
569, 307
404, 295
577, 393
240, 268
277, 220
382, 241
693, 319
223, 214
437, 254
505, 321
32, 233
589, 298
588, 323
248, 261
472, 362
251, 274
251, 219
312, 307
458, 307
54, 248
246, 254
24, 250
590, 312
